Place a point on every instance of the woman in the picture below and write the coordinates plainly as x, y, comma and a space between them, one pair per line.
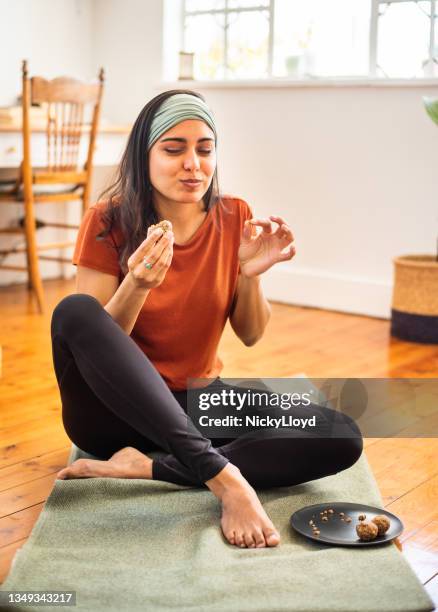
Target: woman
149, 314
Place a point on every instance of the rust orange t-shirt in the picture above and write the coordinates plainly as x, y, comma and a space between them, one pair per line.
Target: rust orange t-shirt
181, 321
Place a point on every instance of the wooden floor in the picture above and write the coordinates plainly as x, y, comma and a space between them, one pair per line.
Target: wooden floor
34, 446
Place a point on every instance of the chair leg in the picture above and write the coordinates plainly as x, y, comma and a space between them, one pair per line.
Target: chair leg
29, 278
85, 200
35, 281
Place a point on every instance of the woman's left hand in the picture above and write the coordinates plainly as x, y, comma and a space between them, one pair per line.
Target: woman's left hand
257, 253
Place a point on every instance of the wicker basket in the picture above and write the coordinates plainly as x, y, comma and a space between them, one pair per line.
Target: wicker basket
415, 299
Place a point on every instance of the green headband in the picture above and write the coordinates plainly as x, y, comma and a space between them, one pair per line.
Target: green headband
177, 108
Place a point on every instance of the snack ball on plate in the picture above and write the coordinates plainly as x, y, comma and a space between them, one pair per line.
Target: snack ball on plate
382, 522
366, 531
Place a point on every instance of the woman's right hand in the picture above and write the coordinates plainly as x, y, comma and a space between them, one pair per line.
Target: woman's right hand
157, 250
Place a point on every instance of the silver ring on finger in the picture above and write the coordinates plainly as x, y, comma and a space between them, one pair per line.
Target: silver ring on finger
147, 264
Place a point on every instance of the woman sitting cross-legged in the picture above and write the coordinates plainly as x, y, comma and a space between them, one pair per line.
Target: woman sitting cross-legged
150, 309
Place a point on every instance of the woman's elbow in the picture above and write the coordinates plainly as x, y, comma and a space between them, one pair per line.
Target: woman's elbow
250, 341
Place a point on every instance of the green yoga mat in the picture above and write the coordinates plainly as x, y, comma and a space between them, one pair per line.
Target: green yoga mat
150, 545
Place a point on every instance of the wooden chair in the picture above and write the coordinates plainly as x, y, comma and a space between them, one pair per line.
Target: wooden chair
66, 101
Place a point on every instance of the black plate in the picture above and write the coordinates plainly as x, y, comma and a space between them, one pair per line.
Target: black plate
341, 533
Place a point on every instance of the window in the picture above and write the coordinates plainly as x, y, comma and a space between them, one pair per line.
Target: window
230, 38
403, 42
321, 37
256, 39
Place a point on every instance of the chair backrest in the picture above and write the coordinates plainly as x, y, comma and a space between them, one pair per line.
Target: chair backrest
66, 102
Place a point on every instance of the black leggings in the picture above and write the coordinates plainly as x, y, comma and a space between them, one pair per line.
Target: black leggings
113, 397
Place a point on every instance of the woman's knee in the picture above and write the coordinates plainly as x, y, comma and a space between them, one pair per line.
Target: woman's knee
73, 310
349, 449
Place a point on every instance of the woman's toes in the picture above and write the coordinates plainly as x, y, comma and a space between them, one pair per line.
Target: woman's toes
272, 538
79, 468
259, 540
231, 538
239, 541
249, 540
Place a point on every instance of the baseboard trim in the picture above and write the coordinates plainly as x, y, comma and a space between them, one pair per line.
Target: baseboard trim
320, 289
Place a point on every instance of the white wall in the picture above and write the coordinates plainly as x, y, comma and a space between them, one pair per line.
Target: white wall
52, 35
56, 37
352, 169
127, 37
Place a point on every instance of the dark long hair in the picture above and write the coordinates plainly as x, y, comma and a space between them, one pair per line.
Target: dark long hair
129, 199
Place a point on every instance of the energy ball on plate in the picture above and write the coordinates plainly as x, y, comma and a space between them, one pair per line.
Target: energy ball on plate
382, 522
366, 531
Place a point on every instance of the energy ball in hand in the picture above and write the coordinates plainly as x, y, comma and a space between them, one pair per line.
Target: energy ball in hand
366, 531
382, 522
164, 225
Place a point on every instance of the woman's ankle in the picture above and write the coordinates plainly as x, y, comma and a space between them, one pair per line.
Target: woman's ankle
230, 477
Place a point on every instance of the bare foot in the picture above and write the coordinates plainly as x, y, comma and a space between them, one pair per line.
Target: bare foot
244, 521
125, 463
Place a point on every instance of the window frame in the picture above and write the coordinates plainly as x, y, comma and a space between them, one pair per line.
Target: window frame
226, 11
373, 66
374, 33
